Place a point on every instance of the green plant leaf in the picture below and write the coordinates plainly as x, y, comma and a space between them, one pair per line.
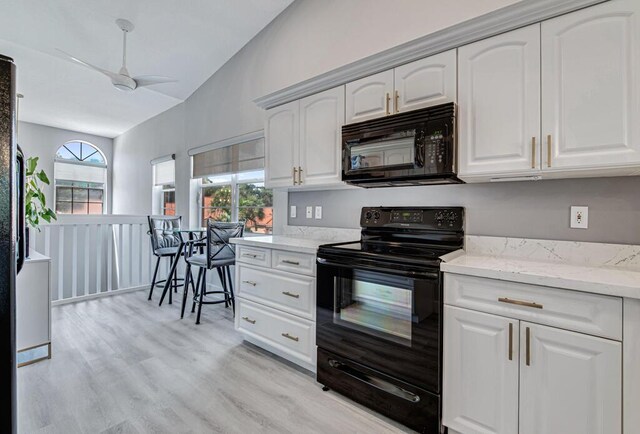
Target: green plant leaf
43, 177
32, 163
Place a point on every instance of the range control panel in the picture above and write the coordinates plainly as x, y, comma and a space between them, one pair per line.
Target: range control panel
410, 217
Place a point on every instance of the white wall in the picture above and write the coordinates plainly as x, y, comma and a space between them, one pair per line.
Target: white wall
43, 141
309, 38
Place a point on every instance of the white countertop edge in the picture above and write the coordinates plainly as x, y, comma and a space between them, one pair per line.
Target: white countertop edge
452, 255
280, 242
595, 285
36, 257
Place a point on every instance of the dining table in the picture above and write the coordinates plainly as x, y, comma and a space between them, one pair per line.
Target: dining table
185, 235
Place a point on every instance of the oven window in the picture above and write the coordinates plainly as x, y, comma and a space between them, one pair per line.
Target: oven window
393, 150
376, 304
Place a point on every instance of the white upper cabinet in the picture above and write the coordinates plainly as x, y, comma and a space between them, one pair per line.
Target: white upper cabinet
480, 379
426, 82
570, 383
369, 97
590, 80
499, 104
321, 120
303, 141
281, 132
423, 83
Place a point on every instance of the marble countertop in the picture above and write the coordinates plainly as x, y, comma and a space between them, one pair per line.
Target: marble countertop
282, 242
552, 269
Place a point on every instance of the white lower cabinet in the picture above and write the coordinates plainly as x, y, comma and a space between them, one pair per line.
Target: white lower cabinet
505, 375
276, 295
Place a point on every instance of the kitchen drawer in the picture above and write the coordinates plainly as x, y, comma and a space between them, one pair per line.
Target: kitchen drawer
291, 337
294, 262
253, 255
292, 293
594, 314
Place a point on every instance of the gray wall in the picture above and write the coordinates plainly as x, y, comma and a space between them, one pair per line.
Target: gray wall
528, 209
42, 141
309, 38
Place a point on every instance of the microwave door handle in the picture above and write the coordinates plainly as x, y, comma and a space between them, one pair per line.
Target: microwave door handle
21, 218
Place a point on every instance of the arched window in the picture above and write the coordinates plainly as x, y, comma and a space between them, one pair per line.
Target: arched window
80, 173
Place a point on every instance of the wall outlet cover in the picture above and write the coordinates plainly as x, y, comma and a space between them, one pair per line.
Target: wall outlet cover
293, 211
318, 212
309, 212
579, 217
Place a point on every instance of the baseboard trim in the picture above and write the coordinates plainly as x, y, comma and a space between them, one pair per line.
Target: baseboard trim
98, 295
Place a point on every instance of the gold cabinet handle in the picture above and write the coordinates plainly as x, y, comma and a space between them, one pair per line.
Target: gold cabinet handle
249, 282
533, 152
549, 150
510, 341
387, 104
249, 320
288, 336
528, 347
299, 175
290, 294
397, 101
520, 303
249, 255
286, 261
295, 172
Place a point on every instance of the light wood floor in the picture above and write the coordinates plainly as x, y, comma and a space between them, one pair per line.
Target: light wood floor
124, 365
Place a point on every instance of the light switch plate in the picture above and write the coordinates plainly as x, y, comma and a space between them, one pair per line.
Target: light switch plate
579, 217
293, 211
309, 212
318, 212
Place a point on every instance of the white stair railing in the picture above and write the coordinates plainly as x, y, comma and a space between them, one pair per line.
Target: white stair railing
96, 254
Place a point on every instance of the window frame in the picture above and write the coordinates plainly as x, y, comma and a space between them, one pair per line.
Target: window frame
163, 205
234, 182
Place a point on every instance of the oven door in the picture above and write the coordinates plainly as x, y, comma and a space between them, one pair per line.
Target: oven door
386, 319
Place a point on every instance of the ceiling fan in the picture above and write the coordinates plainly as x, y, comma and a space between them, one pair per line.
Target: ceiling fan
122, 80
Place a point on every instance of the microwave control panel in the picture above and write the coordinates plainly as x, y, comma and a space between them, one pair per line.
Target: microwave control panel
435, 146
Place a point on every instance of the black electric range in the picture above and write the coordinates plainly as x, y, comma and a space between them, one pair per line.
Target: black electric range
379, 312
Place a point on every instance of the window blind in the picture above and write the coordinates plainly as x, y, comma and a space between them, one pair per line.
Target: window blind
79, 172
164, 173
239, 157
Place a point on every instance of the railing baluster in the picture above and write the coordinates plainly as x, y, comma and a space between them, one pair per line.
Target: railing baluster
99, 236
109, 257
47, 240
61, 263
120, 263
74, 262
131, 261
87, 260
140, 251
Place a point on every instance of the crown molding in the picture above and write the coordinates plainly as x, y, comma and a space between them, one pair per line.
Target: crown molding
502, 20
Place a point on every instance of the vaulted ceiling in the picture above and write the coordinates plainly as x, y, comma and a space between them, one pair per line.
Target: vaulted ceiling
185, 39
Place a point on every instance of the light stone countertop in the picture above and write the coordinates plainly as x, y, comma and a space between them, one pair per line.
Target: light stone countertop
281, 242
589, 267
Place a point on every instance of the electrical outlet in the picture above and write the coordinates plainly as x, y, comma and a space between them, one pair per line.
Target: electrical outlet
309, 212
579, 217
318, 212
293, 211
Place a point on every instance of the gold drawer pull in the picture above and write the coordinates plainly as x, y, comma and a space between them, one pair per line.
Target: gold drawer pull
249, 255
520, 303
397, 102
250, 282
288, 336
528, 349
249, 320
388, 99
295, 172
533, 152
291, 294
510, 341
286, 261
549, 150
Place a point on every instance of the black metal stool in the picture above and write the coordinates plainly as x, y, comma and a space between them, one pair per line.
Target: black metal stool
219, 255
165, 243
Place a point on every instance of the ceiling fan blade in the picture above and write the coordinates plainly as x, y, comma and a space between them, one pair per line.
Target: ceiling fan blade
148, 80
111, 75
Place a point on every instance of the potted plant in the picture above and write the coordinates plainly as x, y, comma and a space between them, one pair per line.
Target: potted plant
34, 201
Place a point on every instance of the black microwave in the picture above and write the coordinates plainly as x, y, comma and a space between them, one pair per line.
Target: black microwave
412, 148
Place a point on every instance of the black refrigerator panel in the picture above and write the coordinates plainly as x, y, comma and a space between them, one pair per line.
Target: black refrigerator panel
8, 232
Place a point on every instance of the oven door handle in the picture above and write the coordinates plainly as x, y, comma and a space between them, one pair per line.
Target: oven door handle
352, 265
378, 383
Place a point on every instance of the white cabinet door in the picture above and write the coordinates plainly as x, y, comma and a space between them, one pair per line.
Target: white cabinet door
281, 144
590, 87
569, 383
369, 97
480, 372
499, 104
321, 120
425, 82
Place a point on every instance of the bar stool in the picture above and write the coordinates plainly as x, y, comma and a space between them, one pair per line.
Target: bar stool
165, 243
219, 255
